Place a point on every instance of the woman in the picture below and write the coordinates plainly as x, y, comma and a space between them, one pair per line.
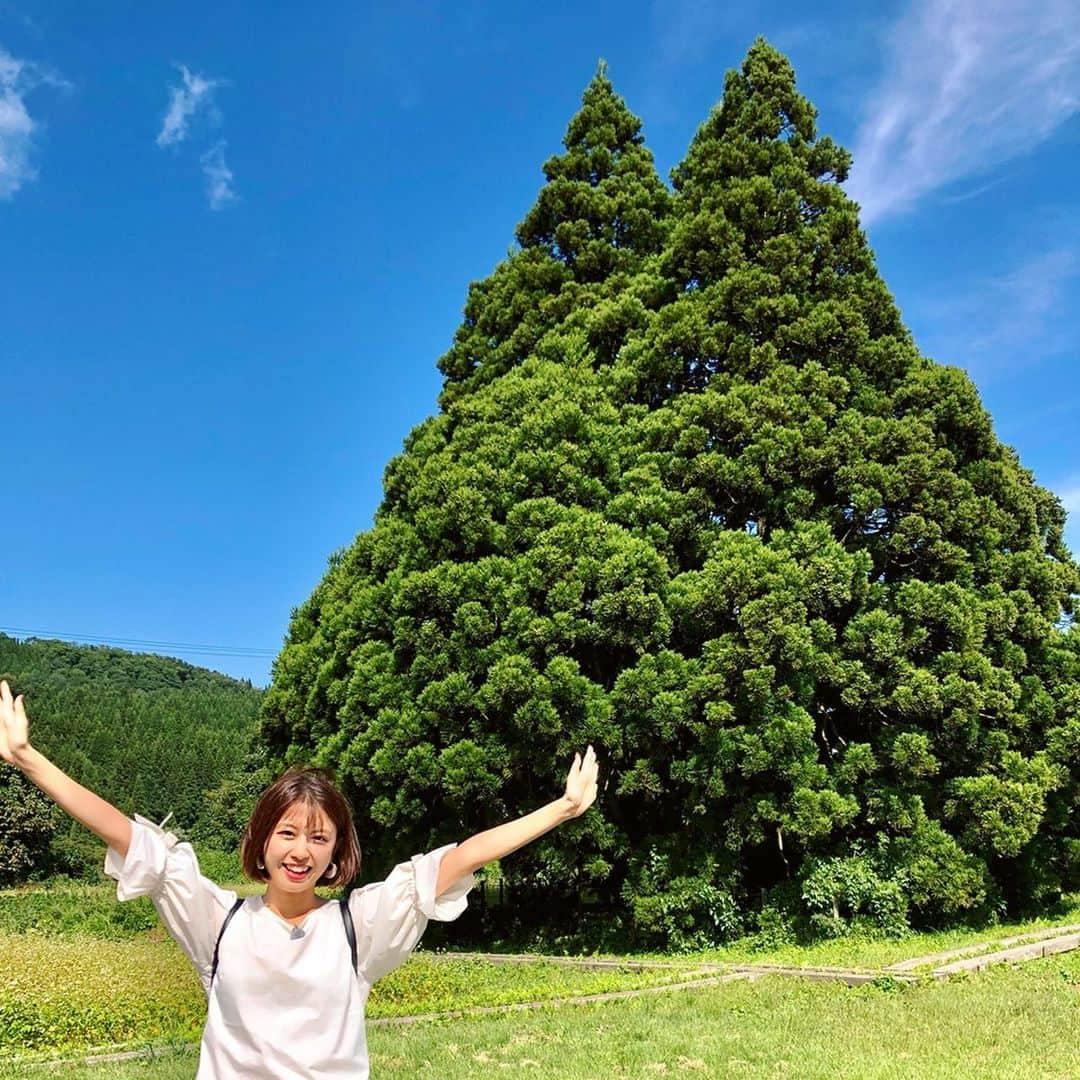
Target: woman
287, 984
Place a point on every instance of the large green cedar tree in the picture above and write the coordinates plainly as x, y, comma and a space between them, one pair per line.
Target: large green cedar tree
454, 658
693, 495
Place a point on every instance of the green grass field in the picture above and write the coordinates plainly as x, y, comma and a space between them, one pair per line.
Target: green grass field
1013, 1023
84, 974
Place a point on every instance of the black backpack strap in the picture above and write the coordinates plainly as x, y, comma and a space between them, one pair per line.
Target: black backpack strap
350, 933
217, 944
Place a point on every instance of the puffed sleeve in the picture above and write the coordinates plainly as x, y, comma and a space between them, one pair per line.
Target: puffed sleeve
390, 916
191, 906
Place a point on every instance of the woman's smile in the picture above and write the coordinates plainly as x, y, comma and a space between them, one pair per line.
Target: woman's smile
297, 853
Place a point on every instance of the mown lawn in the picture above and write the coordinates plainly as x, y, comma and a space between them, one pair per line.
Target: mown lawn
1016, 1023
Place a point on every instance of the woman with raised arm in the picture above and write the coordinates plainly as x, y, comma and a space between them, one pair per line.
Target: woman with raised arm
287, 985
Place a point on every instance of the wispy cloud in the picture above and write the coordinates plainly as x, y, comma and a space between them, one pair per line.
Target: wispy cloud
968, 85
1071, 498
19, 78
1007, 321
1026, 300
218, 177
194, 99
196, 95
11, 12
16, 127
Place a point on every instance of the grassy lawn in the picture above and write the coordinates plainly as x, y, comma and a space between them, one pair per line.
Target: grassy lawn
1017, 1023
82, 973
139, 992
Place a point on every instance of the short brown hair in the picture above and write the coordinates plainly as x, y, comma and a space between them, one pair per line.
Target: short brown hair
313, 787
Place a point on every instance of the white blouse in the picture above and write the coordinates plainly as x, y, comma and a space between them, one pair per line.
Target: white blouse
285, 1001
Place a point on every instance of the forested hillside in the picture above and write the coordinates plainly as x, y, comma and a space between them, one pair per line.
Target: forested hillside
149, 733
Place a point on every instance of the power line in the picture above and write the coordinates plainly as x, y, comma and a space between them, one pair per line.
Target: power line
142, 643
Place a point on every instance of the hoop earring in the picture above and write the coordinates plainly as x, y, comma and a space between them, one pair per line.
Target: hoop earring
330, 871
259, 864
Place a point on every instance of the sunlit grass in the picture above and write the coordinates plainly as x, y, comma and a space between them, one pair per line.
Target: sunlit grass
81, 971
1015, 1023
67, 994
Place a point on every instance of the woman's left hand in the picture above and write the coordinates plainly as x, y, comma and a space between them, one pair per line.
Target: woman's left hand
581, 783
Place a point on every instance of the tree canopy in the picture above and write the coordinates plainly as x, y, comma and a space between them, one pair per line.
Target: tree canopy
693, 495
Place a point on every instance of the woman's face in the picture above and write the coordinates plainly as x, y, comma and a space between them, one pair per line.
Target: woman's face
297, 842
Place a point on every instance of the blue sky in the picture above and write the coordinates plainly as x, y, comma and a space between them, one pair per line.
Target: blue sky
238, 236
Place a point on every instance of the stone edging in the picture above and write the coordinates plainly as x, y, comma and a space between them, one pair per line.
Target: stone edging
967, 950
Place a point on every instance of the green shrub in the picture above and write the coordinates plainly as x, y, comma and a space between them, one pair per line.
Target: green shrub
774, 929
846, 894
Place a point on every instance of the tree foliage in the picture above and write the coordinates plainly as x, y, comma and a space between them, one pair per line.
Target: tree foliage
693, 495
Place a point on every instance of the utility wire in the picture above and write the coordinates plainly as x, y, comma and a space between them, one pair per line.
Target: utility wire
141, 643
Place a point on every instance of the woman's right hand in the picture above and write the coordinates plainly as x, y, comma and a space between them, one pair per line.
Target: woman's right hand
14, 727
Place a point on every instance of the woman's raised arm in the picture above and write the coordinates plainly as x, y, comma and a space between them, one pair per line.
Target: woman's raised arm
99, 816
482, 848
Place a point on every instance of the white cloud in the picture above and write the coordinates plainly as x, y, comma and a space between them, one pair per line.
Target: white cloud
16, 127
218, 177
184, 102
196, 97
969, 84
18, 78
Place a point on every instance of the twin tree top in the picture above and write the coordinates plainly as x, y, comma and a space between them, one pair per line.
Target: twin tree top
693, 495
